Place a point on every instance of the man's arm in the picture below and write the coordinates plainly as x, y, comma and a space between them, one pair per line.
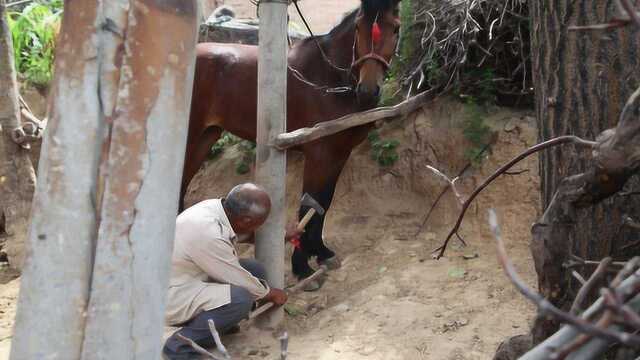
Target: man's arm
217, 258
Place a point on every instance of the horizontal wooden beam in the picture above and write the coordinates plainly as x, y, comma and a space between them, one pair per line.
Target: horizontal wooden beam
305, 135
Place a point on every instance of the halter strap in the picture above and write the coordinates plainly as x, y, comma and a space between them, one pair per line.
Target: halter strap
373, 56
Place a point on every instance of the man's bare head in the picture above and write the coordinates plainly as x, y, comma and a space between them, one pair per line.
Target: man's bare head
247, 207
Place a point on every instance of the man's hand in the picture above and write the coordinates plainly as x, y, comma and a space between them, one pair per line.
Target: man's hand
276, 296
292, 232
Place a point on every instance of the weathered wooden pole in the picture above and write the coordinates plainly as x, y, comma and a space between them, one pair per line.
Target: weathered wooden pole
270, 162
17, 177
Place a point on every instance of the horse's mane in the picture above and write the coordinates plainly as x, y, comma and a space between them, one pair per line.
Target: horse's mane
372, 7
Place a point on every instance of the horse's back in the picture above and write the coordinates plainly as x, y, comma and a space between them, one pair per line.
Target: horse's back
224, 93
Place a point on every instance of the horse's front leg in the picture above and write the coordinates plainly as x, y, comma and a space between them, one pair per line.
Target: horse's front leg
321, 172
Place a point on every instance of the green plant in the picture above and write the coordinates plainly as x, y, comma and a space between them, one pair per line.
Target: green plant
227, 139
34, 31
480, 85
383, 151
475, 130
247, 148
409, 37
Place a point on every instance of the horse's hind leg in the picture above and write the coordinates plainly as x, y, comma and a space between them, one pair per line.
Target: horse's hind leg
322, 168
197, 151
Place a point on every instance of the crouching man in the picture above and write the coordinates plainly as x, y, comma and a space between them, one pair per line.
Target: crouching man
208, 281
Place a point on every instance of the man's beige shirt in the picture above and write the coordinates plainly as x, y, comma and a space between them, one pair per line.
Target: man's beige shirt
205, 263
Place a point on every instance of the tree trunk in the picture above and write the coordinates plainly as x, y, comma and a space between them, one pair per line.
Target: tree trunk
17, 177
582, 81
54, 290
95, 278
142, 169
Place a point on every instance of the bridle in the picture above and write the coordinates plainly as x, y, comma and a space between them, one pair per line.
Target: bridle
355, 65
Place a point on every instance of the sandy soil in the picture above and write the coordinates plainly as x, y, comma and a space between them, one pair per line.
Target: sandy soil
390, 300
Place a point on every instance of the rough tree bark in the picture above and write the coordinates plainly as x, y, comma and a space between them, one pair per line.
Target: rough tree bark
57, 270
95, 279
142, 169
582, 82
17, 176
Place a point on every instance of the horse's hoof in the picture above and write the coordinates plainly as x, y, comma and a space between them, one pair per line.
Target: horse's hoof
313, 285
332, 263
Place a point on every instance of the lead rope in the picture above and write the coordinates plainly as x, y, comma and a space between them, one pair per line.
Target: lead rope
298, 75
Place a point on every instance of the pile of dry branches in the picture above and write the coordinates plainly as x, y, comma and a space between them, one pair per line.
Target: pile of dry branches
614, 319
475, 47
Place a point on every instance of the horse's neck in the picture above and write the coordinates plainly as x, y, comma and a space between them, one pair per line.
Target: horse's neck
338, 48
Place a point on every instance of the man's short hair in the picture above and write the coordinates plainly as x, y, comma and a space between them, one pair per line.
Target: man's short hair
240, 202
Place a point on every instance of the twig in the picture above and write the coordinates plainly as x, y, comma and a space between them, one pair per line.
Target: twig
564, 351
446, 188
284, 345
546, 307
633, 15
613, 24
578, 277
452, 183
600, 271
218, 341
17, 3
532, 150
199, 348
292, 290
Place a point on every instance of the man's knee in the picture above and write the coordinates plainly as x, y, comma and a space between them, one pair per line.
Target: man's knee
254, 267
242, 300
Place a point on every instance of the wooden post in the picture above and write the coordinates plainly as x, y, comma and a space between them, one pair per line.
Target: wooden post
270, 162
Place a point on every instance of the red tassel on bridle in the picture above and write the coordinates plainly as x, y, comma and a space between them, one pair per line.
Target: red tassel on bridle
376, 33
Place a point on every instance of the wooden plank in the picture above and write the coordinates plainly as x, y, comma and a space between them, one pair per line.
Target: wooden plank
271, 163
305, 135
143, 163
55, 279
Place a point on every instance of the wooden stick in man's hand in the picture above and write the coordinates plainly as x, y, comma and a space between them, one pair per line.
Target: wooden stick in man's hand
292, 290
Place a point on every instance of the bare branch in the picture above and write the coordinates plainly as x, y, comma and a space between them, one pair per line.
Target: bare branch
547, 308
598, 274
633, 15
446, 188
199, 348
452, 183
218, 341
561, 140
284, 345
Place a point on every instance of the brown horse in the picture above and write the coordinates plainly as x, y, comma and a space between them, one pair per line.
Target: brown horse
354, 55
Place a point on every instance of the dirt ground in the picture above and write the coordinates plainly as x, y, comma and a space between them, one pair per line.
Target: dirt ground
390, 299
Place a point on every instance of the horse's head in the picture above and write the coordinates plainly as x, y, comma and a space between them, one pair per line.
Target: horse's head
377, 36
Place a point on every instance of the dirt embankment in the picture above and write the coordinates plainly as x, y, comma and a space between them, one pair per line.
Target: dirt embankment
390, 300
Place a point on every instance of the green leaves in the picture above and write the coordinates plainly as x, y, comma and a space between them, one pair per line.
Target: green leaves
248, 149
34, 32
383, 151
